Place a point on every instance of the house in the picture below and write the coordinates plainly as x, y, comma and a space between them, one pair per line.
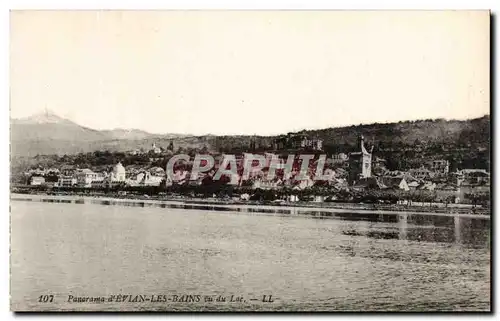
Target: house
100, 180
66, 181
440, 166
421, 173
312, 144
475, 189
134, 152
150, 180
67, 170
155, 149
52, 171
36, 172
297, 141
427, 186
84, 177
394, 182
267, 184
367, 183
413, 185
157, 171
304, 183
37, 180
339, 158
475, 176
446, 191
245, 197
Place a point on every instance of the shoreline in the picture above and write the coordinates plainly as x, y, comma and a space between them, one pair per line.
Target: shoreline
318, 209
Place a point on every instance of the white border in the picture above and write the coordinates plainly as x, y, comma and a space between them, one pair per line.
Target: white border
185, 4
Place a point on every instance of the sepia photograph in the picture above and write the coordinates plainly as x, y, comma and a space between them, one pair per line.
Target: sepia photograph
250, 161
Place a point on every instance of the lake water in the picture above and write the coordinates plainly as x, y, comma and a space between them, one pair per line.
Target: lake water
342, 263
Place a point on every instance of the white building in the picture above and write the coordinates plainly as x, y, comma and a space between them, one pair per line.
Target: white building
339, 158
37, 180
100, 180
66, 181
155, 149
118, 174
84, 177
146, 179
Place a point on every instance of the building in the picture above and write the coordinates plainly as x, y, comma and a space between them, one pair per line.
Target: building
68, 170
267, 184
171, 146
360, 163
118, 174
448, 192
66, 181
339, 158
475, 176
440, 166
398, 182
84, 177
134, 152
155, 149
100, 180
157, 171
427, 186
367, 183
146, 179
280, 143
413, 185
297, 141
312, 144
421, 173
37, 180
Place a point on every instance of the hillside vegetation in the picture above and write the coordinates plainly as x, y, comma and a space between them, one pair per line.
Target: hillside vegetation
408, 144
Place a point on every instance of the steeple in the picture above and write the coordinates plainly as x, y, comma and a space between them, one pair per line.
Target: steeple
362, 145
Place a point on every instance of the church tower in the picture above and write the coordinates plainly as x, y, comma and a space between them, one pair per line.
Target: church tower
360, 163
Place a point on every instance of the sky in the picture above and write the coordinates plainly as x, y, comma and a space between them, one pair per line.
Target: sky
253, 72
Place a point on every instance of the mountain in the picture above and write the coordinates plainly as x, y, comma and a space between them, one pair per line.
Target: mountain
49, 126
48, 133
127, 134
403, 144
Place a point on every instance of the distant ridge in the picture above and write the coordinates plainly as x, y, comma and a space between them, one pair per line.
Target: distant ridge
46, 117
48, 133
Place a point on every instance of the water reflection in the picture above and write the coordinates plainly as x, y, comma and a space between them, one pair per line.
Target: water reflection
458, 232
328, 259
466, 230
403, 226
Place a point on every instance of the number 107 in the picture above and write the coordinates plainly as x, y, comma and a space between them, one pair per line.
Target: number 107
46, 298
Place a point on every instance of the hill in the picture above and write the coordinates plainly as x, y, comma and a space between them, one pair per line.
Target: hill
46, 133
466, 143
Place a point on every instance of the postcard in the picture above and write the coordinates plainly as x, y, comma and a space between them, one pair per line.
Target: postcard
250, 161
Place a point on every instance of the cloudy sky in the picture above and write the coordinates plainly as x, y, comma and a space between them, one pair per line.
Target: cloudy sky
248, 72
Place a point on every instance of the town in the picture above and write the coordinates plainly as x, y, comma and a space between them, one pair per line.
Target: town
356, 177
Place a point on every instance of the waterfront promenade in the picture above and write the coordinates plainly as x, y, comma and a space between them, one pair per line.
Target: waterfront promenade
295, 208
